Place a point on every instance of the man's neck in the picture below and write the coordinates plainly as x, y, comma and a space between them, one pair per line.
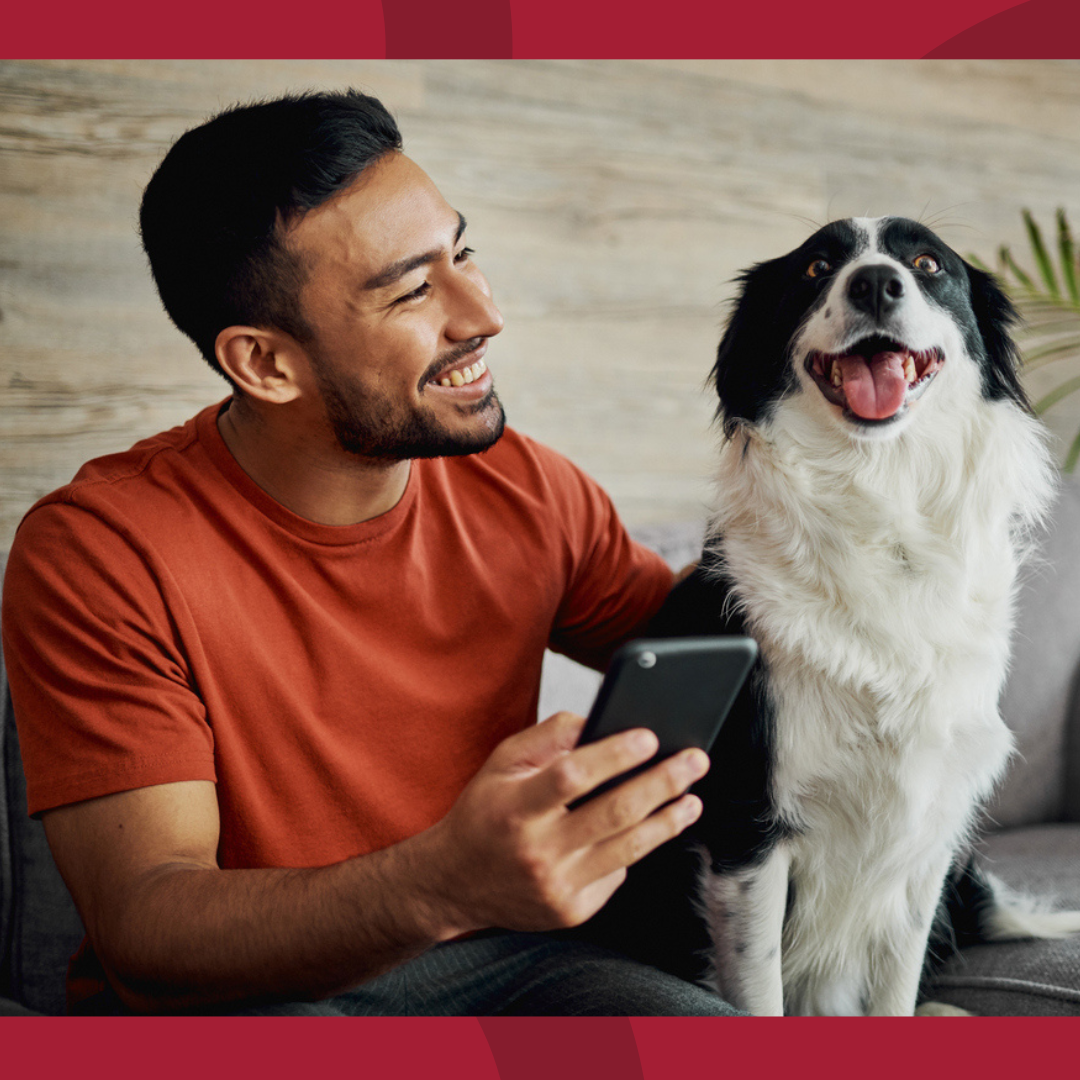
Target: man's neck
316, 480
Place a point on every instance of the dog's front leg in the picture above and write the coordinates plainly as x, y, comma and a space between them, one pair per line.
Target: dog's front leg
745, 910
897, 968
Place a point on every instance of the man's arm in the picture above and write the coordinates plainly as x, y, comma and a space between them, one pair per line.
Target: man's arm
176, 932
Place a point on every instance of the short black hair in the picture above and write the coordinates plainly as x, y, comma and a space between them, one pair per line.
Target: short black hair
213, 212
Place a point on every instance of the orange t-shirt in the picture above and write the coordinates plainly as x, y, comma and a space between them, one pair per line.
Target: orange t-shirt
165, 619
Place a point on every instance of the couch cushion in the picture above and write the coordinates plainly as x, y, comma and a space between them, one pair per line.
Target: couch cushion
1023, 978
43, 927
5, 853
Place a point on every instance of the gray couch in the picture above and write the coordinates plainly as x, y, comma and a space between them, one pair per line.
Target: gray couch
1035, 820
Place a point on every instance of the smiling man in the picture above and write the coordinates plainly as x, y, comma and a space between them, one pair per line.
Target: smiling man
276, 671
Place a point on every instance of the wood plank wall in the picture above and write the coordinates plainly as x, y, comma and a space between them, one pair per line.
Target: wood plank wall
610, 204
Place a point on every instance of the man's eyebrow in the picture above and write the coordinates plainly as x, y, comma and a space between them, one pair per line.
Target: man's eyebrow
389, 274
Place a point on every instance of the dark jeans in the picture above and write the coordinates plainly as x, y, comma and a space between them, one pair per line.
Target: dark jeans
497, 973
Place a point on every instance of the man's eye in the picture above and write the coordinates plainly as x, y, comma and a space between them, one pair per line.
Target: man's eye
464, 254
420, 290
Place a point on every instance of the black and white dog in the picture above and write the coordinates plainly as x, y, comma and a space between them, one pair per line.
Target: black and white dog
878, 479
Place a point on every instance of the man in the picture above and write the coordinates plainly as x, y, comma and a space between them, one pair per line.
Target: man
275, 670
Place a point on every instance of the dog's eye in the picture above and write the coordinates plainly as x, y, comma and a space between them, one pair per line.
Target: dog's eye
818, 267
926, 263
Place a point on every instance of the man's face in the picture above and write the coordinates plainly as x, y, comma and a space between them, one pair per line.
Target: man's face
398, 309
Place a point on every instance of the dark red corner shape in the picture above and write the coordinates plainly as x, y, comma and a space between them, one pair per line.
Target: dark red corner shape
466, 29
1038, 29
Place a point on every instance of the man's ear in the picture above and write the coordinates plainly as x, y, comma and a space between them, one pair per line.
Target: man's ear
264, 364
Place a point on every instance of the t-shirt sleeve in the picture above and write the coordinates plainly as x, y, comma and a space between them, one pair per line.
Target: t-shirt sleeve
103, 696
615, 584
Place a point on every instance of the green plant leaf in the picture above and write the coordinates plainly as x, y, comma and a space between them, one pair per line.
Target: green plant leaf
1070, 386
1039, 357
1072, 456
1010, 265
1067, 251
1042, 258
1051, 313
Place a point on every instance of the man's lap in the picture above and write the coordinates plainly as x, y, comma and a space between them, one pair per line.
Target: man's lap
510, 974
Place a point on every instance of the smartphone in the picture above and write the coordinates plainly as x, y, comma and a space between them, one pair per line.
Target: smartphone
680, 688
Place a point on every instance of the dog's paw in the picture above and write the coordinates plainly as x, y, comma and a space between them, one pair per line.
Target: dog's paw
939, 1008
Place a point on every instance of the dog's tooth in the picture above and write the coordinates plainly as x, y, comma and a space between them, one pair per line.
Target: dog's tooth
909, 369
836, 377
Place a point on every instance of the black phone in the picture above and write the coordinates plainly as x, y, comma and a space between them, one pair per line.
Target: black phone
680, 688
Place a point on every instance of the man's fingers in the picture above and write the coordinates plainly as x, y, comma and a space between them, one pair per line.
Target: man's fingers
586, 767
538, 746
633, 844
636, 798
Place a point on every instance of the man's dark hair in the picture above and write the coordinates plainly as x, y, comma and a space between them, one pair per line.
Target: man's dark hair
213, 213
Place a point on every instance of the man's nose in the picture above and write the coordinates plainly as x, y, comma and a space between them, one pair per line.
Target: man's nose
475, 313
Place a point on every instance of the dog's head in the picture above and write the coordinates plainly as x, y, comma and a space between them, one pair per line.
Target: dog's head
863, 325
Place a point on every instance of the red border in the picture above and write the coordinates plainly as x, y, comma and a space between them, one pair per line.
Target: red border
447, 1049
539, 28
456, 1049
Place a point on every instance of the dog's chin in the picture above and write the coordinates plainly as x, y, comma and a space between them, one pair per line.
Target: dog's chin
863, 430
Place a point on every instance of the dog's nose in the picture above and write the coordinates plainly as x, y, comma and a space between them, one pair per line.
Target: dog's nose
876, 290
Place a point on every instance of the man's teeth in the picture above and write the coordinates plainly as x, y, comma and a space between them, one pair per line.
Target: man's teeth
465, 375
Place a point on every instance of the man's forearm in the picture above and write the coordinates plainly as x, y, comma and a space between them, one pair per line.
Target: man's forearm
191, 937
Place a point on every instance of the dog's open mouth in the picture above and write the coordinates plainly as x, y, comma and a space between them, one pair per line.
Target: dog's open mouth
876, 379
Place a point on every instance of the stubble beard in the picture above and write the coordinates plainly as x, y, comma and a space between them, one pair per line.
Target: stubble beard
370, 426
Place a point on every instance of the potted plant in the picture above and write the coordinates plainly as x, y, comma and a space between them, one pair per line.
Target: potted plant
1049, 301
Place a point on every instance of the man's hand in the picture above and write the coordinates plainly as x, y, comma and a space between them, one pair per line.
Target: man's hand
510, 853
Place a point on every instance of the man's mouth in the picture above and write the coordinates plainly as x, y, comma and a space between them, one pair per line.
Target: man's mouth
876, 379
461, 376
467, 368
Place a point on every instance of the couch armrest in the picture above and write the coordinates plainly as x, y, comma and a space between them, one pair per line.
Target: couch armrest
1072, 756
1039, 702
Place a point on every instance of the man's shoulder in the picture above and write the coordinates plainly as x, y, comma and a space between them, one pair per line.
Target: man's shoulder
121, 488
126, 474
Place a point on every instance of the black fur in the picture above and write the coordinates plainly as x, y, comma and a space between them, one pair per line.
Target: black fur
738, 825
752, 368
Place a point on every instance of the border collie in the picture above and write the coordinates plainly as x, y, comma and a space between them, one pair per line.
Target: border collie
879, 476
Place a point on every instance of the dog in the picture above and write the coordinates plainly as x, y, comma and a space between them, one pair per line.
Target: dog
879, 479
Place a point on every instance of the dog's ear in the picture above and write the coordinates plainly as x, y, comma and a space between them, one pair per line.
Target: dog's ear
752, 368
995, 316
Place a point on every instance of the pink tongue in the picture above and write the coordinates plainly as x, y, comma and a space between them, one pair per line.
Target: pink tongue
874, 390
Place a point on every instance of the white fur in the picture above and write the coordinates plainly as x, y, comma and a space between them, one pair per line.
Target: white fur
1018, 915
877, 574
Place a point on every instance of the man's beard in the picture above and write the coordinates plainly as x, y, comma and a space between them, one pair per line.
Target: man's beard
366, 425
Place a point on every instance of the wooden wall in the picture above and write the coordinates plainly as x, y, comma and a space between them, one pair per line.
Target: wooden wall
610, 204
